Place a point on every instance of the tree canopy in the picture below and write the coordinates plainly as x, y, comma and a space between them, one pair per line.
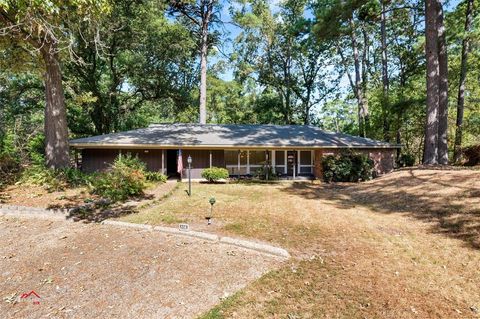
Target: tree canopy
82, 67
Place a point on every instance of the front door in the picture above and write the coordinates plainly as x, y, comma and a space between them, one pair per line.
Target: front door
291, 163
172, 163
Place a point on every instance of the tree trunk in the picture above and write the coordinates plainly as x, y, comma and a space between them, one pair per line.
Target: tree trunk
365, 63
385, 78
430, 150
203, 76
358, 82
307, 105
457, 153
443, 88
56, 129
206, 15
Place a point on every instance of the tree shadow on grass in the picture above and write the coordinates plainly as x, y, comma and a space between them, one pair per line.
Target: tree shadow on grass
451, 202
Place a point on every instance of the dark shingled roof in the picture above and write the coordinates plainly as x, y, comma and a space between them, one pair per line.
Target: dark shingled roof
228, 136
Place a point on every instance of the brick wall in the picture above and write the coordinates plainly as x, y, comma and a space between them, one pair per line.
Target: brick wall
384, 159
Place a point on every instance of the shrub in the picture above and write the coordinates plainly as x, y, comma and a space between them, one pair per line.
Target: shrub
471, 155
9, 169
36, 149
347, 167
73, 177
155, 177
124, 179
214, 174
406, 160
53, 180
266, 172
41, 176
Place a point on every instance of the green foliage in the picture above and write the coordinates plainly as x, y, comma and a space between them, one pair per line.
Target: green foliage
9, 168
53, 180
406, 160
472, 155
347, 167
97, 100
155, 177
215, 174
124, 179
266, 172
285, 63
267, 41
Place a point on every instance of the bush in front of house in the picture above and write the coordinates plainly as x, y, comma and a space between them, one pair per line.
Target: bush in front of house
406, 160
266, 172
471, 155
347, 167
124, 179
53, 179
215, 174
156, 177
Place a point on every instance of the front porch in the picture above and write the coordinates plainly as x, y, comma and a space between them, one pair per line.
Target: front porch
240, 163
245, 164
288, 164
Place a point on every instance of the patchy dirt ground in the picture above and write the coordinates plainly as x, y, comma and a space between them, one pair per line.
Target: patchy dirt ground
99, 271
37, 196
406, 245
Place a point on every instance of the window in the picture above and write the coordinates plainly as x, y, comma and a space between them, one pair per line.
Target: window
231, 162
305, 158
305, 170
257, 158
279, 158
231, 158
306, 161
243, 158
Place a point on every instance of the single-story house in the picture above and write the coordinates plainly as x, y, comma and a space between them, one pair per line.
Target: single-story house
291, 150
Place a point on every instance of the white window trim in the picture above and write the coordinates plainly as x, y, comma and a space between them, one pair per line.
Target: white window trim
248, 167
303, 165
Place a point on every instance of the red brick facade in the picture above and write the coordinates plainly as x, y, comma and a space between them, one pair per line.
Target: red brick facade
100, 159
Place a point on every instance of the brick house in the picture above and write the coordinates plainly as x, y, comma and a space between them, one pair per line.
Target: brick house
294, 151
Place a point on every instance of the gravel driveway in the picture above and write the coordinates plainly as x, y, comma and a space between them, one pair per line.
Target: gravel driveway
99, 271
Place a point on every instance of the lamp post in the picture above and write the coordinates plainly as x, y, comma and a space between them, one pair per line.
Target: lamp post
212, 201
189, 161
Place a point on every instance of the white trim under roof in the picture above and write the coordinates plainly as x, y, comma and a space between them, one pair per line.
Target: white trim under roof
211, 147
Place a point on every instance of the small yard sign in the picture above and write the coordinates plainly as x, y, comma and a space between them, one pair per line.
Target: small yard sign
183, 227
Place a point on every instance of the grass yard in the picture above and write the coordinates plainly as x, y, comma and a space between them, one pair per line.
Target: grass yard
402, 246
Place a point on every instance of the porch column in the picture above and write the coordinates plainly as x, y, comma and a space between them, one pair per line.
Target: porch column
286, 162
273, 160
163, 161
211, 159
248, 162
238, 164
298, 163
312, 161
